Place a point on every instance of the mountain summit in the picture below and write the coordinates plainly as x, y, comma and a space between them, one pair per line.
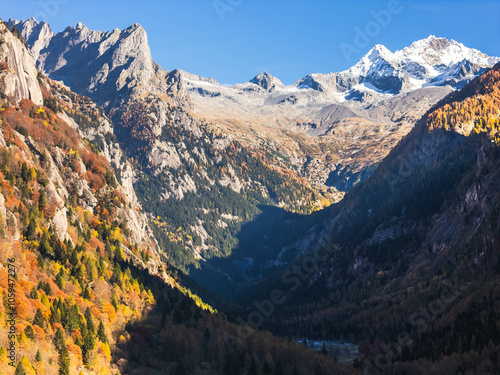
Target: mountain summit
267, 82
103, 65
428, 62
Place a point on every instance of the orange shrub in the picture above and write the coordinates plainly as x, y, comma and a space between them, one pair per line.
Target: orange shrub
39, 333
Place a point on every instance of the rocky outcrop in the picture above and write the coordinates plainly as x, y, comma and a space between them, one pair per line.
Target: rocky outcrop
267, 82
18, 75
36, 34
104, 65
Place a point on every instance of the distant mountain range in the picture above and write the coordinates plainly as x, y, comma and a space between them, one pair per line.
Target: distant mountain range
384, 91
175, 169
89, 59
323, 135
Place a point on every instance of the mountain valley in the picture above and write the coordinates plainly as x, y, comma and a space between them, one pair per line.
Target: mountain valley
161, 222
82, 274
300, 147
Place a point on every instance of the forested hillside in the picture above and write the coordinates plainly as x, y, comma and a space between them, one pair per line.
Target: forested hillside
200, 184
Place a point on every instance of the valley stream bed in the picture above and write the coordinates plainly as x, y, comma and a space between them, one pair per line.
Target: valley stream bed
340, 350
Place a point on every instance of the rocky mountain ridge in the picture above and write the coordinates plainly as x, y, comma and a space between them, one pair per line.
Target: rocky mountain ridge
194, 140
263, 112
111, 64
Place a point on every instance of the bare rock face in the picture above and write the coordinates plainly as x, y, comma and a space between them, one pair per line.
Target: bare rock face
36, 34
18, 74
60, 222
267, 82
3, 213
103, 65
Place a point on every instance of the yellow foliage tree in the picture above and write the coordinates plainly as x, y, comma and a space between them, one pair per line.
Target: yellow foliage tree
27, 366
23, 341
108, 309
104, 350
40, 368
3, 357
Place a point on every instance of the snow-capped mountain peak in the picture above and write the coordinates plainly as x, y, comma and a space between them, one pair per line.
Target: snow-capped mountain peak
379, 50
125, 55
441, 51
432, 61
377, 56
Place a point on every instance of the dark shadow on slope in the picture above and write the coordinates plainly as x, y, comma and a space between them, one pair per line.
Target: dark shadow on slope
261, 251
175, 336
387, 223
344, 178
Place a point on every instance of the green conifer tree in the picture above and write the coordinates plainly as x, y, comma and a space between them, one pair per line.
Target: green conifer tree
64, 362
101, 333
39, 320
20, 369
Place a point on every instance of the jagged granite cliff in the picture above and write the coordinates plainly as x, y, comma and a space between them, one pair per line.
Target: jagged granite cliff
18, 74
83, 122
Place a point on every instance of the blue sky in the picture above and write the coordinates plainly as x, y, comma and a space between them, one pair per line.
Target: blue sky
233, 40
